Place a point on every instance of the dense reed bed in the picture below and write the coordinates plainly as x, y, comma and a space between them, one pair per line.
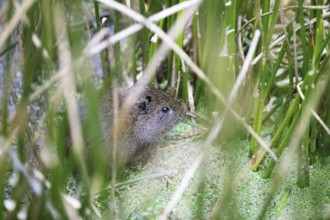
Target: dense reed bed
255, 75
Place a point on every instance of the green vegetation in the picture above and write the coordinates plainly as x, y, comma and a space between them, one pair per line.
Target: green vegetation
257, 73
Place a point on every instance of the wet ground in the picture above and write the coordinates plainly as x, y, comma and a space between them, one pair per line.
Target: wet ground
218, 174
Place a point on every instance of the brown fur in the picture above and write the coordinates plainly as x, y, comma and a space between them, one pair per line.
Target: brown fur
142, 121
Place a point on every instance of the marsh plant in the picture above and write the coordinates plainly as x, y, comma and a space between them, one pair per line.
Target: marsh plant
254, 75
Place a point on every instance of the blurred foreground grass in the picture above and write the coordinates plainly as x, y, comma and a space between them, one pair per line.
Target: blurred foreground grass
257, 73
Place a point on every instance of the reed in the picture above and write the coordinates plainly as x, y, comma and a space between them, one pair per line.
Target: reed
257, 73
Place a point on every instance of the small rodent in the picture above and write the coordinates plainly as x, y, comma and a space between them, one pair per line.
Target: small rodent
142, 121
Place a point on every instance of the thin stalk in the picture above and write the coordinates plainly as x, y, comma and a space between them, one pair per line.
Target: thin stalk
197, 55
283, 200
312, 142
97, 15
285, 123
98, 27
265, 24
283, 143
134, 63
272, 23
152, 49
303, 37
292, 58
144, 41
258, 99
179, 65
169, 22
303, 161
271, 78
257, 123
117, 50
257, 14
259, 103
231, 27
153, 46
274, 109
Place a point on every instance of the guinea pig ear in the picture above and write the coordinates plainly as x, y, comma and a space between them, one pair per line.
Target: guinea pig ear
148, 99
143, 105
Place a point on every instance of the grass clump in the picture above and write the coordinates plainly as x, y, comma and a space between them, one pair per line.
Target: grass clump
255, 75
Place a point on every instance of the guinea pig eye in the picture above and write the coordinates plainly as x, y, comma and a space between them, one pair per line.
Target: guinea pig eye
165, 109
